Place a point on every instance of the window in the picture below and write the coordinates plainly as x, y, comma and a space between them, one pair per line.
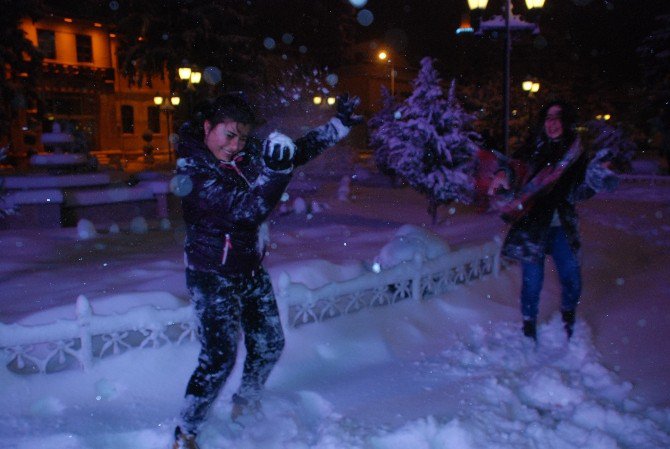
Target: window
154, 119
46, 42
84, 48
127, 119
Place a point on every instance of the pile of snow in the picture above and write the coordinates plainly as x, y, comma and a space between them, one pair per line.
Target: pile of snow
411, 241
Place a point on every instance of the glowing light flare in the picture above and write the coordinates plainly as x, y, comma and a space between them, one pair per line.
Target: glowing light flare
365, 17
195, 77
530, 4
184, 73
477, 4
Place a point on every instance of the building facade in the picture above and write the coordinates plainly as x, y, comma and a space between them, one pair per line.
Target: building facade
85, 102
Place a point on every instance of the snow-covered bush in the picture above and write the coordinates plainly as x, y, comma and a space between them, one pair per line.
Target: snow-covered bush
410, 241
612, 144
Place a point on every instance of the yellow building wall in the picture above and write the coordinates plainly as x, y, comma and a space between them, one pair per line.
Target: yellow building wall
104, 50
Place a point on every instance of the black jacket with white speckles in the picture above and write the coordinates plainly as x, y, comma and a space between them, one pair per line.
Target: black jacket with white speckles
225, 204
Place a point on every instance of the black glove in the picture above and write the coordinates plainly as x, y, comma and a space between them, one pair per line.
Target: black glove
345, 110
278, 151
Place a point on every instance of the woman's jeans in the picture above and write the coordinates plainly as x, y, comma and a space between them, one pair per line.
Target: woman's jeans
224, 305
569, 274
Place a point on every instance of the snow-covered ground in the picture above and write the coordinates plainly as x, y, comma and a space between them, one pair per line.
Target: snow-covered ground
449, 372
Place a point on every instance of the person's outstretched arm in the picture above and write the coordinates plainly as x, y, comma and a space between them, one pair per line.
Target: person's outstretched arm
325, 136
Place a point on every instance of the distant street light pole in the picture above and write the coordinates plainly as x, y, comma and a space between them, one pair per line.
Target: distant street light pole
531, 87
192, 78
508, 23
384, 56
167, 106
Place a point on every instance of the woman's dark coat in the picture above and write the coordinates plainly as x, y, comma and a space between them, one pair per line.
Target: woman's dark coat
526, 240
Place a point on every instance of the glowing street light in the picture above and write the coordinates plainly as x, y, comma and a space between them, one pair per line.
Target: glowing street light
510, 22
531, 87
195, 77
384, 56
168, 106
184, 73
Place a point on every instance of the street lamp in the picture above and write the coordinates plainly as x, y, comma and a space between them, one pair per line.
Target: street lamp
384, 56
510, 22
167, 105
192, 77
184, 73
318, 100
531, 88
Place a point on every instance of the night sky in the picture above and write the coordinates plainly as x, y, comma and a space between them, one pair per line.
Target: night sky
600, 32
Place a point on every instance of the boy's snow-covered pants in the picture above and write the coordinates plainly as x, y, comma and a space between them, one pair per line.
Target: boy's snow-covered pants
224, 305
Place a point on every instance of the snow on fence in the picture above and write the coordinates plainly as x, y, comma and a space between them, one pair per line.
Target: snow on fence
69, 344
415, 279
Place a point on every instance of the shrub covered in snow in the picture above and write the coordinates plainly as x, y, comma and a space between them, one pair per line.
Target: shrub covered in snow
410, 241
611, 144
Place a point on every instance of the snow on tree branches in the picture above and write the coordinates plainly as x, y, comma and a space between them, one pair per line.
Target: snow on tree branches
381, 127
611, 144
428, 140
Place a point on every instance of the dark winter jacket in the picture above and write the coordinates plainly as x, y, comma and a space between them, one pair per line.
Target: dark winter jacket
526, 240
224, 204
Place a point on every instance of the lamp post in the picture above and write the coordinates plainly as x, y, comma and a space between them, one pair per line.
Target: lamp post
167, 106
192, 77
531, 87
319, 100
384, 56
510, 22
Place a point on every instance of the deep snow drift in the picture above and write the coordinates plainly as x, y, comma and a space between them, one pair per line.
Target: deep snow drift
449, 372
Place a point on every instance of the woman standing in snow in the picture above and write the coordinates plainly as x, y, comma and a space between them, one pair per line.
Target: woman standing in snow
548, 177
236, 182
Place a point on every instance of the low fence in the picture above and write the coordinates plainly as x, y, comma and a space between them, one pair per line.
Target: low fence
71, 344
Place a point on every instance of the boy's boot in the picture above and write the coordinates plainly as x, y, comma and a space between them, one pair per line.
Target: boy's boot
184, 440
530, 328
243, 406
568, 317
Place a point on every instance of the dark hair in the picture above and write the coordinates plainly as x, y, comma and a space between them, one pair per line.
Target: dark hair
220, 109
228, 107
568, 118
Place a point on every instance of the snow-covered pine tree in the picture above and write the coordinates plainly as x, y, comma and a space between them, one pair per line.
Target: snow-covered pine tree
611, 144
434, 144
382, 130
